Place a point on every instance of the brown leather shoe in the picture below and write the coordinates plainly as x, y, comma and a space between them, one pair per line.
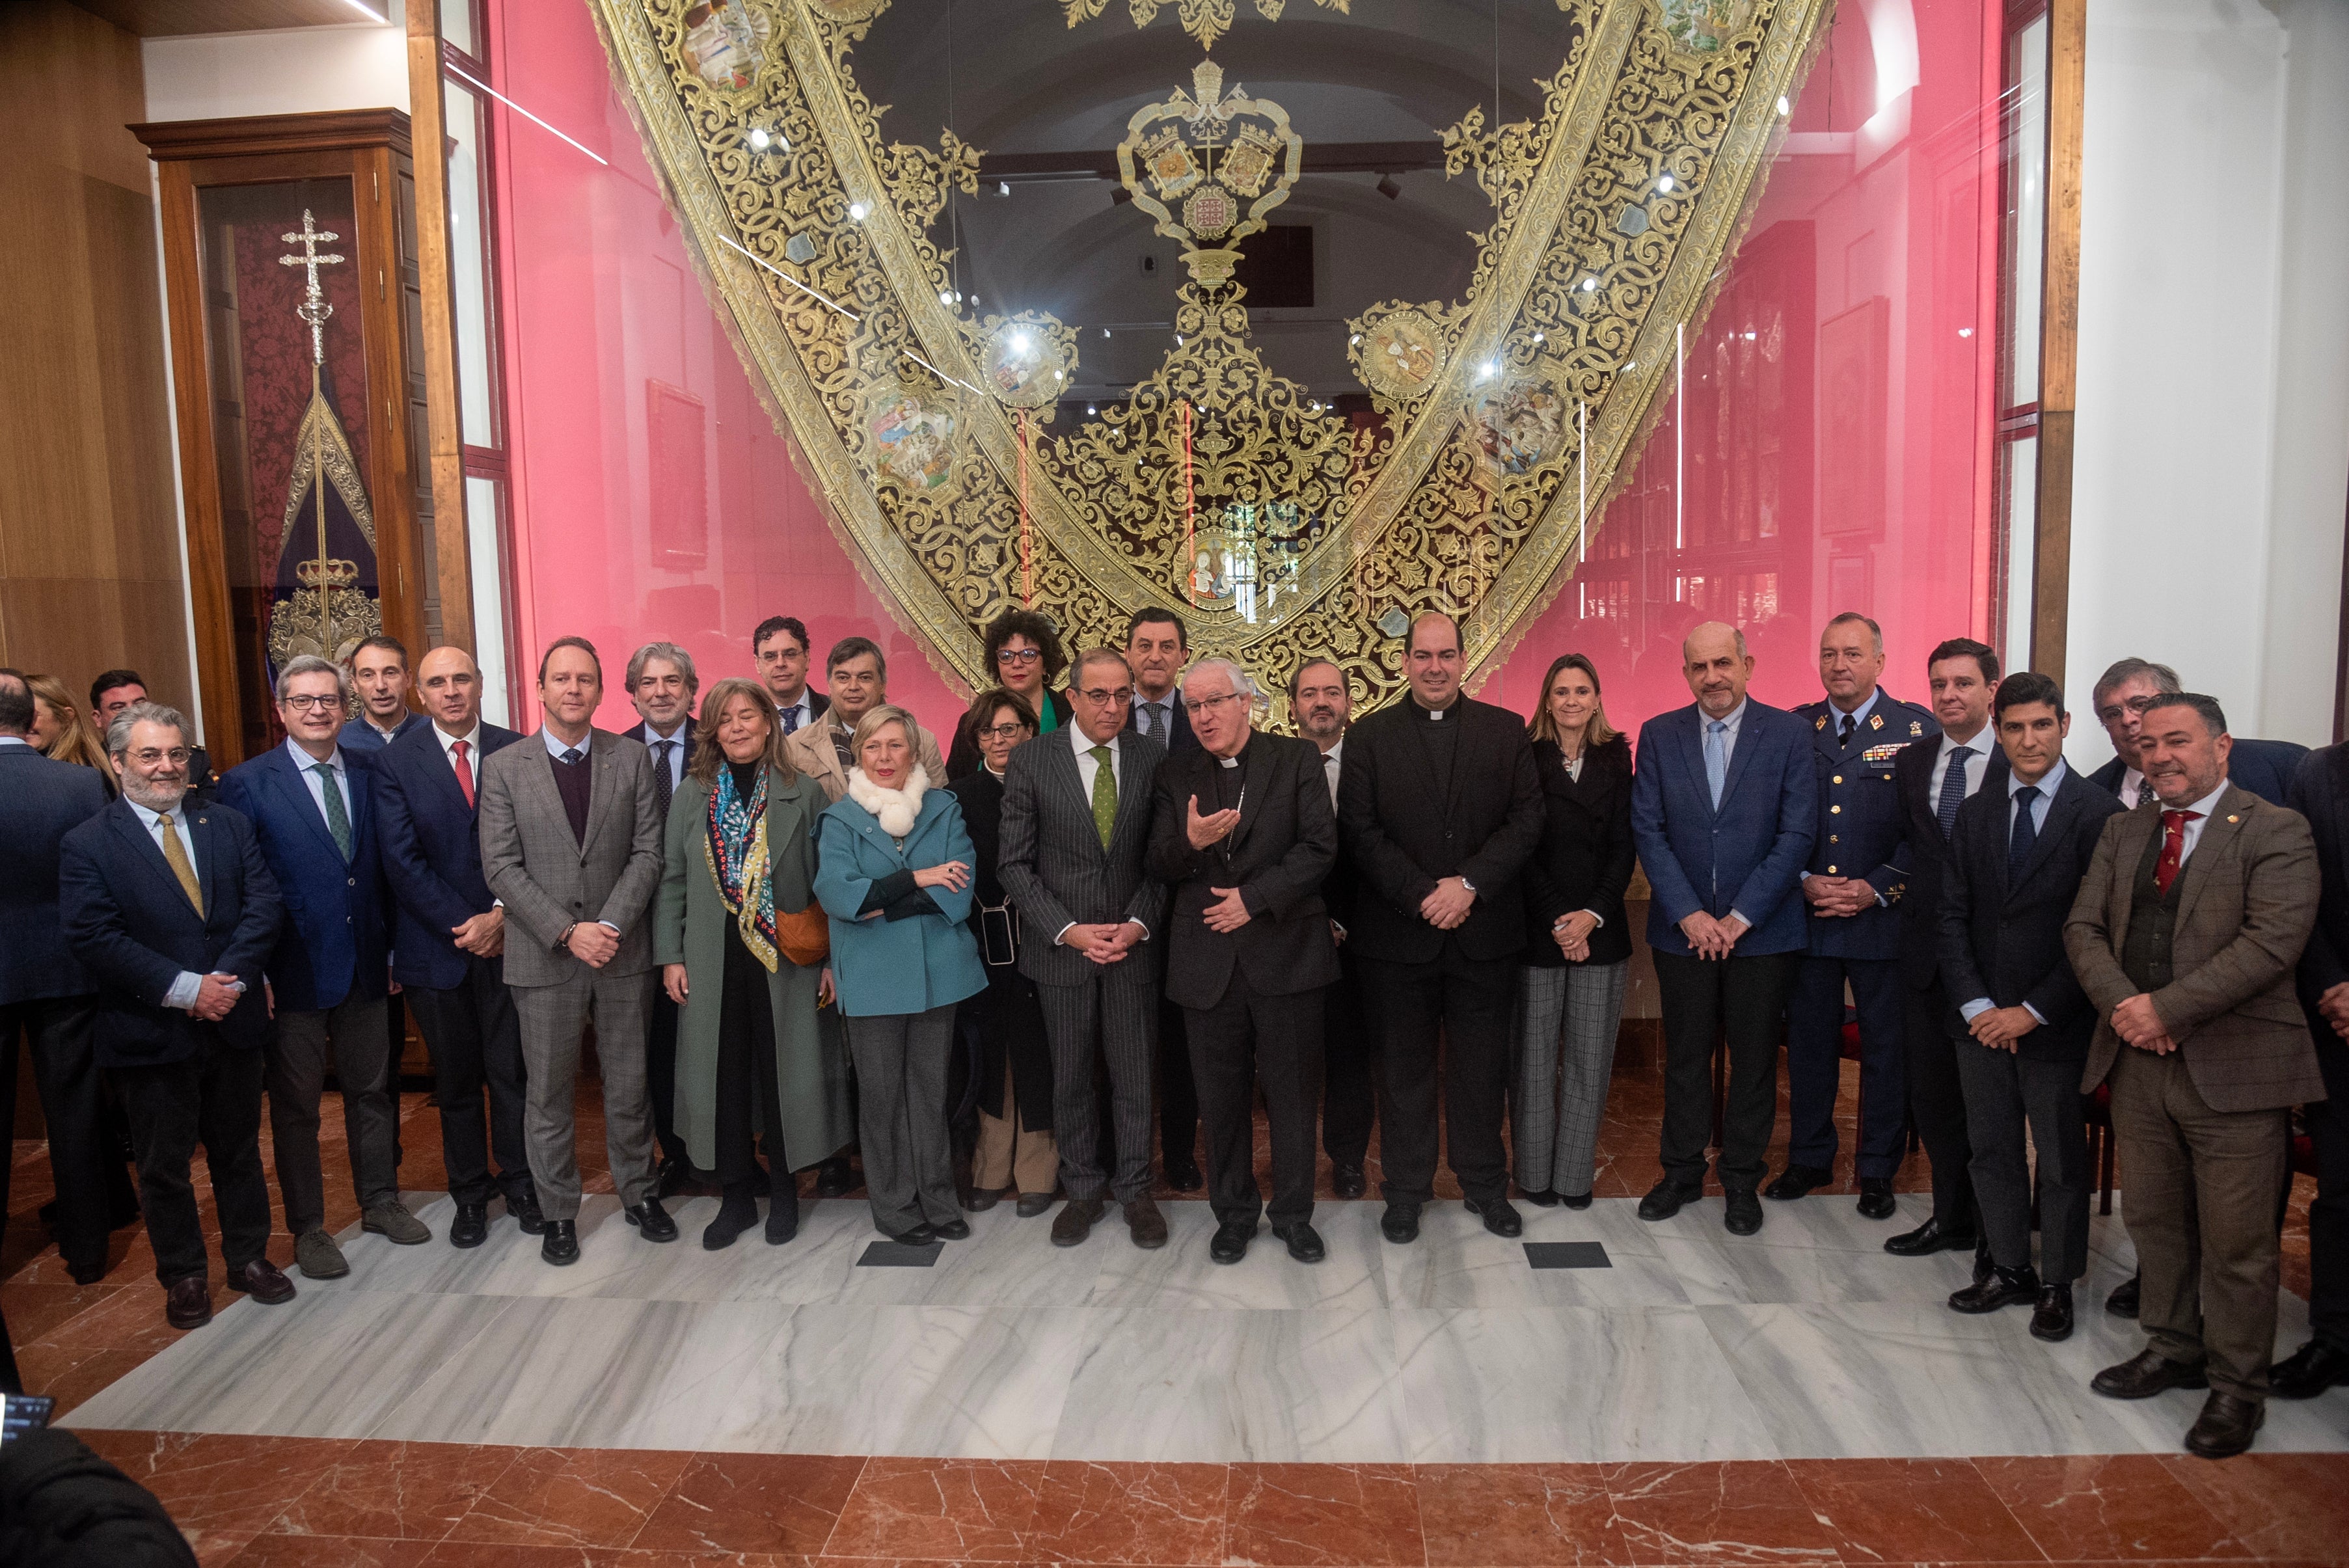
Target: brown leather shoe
260, 1280
189, 1303
1076, 1220
2146, 1374
1146, 1224
2226, 1427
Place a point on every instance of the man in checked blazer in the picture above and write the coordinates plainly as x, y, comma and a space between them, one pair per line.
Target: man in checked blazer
2185, 936
570, 844
1076, 822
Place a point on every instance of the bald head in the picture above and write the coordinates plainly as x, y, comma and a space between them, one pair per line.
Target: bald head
1715, 660
449, 682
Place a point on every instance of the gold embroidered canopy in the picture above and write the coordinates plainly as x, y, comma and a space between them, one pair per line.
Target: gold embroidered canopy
1281, 517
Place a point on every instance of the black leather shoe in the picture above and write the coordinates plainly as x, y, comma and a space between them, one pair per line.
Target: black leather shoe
921, 1235
833, 1179
87, 1273
1304, 1242
527, 1214
189, 1303
1076, 1220
2146, 1374
262, 1280
1575, 1200
559, 1243
2226, 1427
1797, 1181
1876, 1200
2050, 1317
1667, 1198
956, 1230
1744, 1216
2122, 1302
1500, 1216
1541, 1199
1347, 1180
2308, 1371
1183, 1175
1230, 1243
2004, 1287
653, 1220
979, 1199
1926, 1239
1400, 1223
470, 1228
1031, 1204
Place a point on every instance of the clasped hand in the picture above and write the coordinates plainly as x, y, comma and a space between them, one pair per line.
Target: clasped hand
2334, 1007
216, 997
1710, 937
2001, 1028
1104, 942
1838, 897
2136, 1021
593, 944
483, 936
1572, 935
1446, 908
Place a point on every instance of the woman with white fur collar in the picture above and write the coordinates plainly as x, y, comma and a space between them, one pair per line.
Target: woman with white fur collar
894, 875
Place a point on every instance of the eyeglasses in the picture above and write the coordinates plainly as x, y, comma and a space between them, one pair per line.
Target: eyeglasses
1101, 696
2135, 705
1011, 731
149, 758
305, 702
1018, 655
1209, 703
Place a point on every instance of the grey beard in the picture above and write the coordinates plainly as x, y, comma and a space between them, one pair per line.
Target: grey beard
156, 800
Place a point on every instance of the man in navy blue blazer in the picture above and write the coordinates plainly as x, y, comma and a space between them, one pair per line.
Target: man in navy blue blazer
311, 805
1858, 875
2265, 768
171, 910
379, 682
1723, 809
448, 942
44, 997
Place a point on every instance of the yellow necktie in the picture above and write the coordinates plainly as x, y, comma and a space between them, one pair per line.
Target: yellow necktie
175, 855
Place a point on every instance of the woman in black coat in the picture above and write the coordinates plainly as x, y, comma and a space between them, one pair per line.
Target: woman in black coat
1570, 981
1016, 1146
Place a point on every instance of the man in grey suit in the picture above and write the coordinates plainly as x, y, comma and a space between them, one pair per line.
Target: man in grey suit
570, 844
1076, 822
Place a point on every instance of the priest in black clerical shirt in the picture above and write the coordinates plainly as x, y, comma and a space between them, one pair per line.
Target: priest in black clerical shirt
1439, 807
1243, 833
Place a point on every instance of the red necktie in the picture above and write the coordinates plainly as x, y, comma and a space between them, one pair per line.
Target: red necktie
465, 769
2173, 848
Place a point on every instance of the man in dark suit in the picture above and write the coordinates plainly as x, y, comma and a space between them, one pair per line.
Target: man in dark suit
1933, 782
2186, 936
2265, 768
115, 690
379, 682
312, 806
780, 650
2320, 791
1157, 645
2021, 1023
448, 941
1243, 833
1322, 704
1723, 809
1075, 833
662, 685
171, 910
44, 997
1440, 806
1858, 873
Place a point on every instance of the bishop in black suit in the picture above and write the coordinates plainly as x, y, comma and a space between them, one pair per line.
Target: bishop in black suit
1242, 835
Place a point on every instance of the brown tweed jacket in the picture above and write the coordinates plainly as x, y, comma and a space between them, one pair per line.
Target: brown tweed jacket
2245, 912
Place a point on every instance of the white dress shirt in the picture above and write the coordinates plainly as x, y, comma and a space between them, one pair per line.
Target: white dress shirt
1333, 767
472, 739
185, 989
306, 763
804, 708
14, 740
1087, 767
2132, 788
555, 748
2046, 784
1976, 771
2196, 823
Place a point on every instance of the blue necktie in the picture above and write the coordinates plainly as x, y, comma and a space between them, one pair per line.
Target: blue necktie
2026, 834
1953, 790
1716, 758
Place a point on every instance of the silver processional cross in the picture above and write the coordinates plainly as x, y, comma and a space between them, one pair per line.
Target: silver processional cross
314, 308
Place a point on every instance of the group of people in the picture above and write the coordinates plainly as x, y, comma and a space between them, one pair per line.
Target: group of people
794, 927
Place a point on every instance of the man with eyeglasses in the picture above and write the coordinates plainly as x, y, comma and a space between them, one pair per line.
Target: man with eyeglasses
311, 805
1075, 827
778, 648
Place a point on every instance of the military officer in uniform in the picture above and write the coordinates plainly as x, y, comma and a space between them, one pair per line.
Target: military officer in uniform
1858, 871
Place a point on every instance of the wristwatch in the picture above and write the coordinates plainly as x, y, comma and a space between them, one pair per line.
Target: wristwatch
1466, 883
564, 941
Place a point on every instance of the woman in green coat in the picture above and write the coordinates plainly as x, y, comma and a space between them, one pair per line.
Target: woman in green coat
760, 1047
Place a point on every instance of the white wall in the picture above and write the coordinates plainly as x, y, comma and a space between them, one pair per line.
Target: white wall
297, 71
2213, 461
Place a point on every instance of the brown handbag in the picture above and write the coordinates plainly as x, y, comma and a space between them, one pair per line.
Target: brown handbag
805, 938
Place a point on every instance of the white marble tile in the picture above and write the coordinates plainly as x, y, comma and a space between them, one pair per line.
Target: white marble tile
1570, 1384
939, 1381
1008, 1262
1724, 1270
1316, 1386
319, 1365
1181, 1275
1456, 1261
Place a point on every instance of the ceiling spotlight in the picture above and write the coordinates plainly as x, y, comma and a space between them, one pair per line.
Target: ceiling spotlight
1965, 332
857, 211
1388, 188
1178, 340
760, 140
948, 297
1091, 410
1105, 332
1664, 184
1060, 376
1539, 336
974, 301
1784, 108
1492, 368
1003, 188
1019, 343
1353, 340
1749, 338
1590, 283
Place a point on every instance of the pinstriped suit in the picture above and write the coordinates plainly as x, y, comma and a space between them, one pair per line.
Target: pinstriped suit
1054, 866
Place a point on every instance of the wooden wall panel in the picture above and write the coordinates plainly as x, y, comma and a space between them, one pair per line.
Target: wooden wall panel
89, 560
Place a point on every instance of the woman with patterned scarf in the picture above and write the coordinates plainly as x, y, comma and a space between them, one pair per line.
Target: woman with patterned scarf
742, 946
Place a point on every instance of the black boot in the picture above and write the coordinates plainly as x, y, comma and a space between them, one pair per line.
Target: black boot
737, 1214
782, 1206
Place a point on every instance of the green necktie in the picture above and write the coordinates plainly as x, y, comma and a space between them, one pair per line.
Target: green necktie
1104, 794
339, 821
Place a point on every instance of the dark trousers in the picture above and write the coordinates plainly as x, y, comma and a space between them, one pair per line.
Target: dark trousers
1465, 1004
748, 1095
2328, 1215
84, 1160
1178, 1096
1246, 1039
1815, 1063
1102, 1025
1706, 1001
660, 1071
1349, 1104
475, 1037
2004, 1091
350, 1034
1937, 1103
215, 1097
395, 1039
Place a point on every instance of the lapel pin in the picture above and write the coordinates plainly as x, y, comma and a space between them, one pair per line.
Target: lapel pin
1822, 723
1876, 721
2232, 817
1916, 727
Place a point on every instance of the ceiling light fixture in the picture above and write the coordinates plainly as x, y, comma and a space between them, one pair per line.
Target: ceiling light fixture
1664, 184
857, 211
1784, 108
1003, 188
759, 139
1388, 188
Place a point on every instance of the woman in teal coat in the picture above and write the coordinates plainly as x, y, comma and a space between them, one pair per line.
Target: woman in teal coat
757, 1047
892, 871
